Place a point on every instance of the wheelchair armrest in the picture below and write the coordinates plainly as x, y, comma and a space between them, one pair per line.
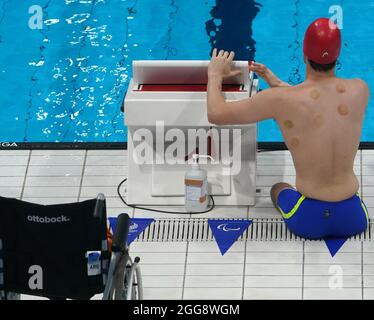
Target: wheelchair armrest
121, 234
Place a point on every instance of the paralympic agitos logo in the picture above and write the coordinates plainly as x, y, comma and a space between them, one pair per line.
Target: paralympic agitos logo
227, 228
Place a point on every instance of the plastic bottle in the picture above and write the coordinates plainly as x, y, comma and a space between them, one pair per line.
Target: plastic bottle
196, 181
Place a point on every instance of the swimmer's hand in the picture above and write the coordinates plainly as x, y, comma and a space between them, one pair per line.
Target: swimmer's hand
221, 65
265, 73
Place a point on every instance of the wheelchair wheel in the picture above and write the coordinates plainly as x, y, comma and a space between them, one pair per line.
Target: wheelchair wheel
135, 281
127, 280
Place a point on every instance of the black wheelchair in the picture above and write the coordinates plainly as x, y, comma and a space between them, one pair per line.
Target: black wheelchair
63, 252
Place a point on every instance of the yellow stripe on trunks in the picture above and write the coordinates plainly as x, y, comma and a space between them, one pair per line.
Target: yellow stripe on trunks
293, 211
363, 207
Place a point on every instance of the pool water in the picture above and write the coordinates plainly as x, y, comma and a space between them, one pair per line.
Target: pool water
66, 82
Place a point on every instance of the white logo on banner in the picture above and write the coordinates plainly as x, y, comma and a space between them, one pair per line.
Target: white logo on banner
133, 227
225, 228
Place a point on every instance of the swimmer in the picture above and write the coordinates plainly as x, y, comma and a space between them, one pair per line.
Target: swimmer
321, 122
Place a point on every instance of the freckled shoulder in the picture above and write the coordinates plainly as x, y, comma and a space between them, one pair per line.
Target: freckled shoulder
361, 92
295, 142
343, 109
362, 85
314, 94
288, 124
341, 88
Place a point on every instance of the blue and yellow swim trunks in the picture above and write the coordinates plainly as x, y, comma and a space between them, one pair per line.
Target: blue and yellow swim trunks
315, 219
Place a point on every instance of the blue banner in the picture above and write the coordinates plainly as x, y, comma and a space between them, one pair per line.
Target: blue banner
335, 244
227, 232
137, 226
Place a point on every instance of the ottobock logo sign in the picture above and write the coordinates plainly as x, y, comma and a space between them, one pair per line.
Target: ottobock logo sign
8, 144
37, 219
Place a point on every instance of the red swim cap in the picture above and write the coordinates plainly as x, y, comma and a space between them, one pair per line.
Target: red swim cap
323, 41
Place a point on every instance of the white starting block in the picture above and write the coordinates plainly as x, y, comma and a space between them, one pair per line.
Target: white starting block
173, 94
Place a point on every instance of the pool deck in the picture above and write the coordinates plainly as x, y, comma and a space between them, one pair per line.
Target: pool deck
196, 270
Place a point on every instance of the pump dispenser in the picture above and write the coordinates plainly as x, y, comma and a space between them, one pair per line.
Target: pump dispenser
196, 181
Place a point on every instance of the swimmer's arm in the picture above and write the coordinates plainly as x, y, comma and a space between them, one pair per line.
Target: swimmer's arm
364, 93
260, 107
265, 73
364, 88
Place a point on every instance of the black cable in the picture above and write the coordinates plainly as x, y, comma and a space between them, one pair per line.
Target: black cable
161, 211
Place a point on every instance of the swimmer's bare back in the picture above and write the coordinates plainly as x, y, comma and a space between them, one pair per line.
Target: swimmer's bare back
321, 122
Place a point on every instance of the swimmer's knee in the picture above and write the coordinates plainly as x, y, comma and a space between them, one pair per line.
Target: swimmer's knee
277, 189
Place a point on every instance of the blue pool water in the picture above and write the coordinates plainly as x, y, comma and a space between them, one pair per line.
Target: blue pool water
66, 81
